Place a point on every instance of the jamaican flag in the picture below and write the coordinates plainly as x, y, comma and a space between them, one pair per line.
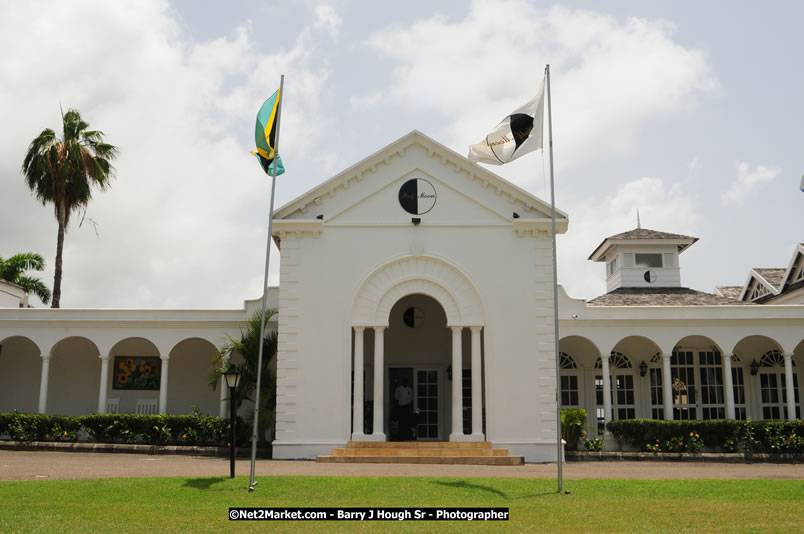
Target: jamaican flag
265, 135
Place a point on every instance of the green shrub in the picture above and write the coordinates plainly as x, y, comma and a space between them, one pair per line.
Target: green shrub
776, 436
5, 422
39, 427
592, 443
124, 428
29, 427
724, 434
572, 421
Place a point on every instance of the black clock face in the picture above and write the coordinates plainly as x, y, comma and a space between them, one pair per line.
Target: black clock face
649, 277
417, 196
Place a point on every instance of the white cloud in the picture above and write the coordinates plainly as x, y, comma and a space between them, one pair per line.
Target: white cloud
328, 19
187, 209
662, 206
748, 182
610, 77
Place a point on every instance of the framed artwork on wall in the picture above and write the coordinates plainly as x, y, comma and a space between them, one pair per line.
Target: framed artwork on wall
137, 372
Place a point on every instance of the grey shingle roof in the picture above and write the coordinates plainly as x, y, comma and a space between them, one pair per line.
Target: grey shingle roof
644, 233
659, 296
730, 292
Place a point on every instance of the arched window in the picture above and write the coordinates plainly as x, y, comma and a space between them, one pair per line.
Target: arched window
772, 358
617, 360
566, 361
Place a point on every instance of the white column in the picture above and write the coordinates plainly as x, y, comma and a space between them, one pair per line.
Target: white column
788, 384
379, 383
104, 383
457, 384
43, 383
667, 387
604, 358
163, 385
357, 408
477, 387
224, 402
728, 383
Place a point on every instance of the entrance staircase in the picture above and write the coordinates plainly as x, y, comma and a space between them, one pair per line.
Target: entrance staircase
421, 452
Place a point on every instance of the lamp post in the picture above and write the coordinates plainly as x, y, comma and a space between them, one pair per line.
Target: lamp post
232, 376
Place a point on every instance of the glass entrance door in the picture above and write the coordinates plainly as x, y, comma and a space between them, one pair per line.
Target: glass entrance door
683, 384
712, 401
413, 404
773, 391
427, 404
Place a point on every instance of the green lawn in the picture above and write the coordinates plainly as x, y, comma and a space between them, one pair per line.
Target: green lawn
201, 504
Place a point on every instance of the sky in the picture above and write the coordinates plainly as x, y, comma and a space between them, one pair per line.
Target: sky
690, 112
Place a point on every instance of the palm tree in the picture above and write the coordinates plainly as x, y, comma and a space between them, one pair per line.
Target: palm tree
64, 170
12, 269
248, 347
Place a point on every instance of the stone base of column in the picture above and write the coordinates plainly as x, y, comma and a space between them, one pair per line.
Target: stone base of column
478, 436
359, 436
376, 436
462, 437
610, 443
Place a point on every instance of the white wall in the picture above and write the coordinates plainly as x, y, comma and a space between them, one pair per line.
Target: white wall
324, 267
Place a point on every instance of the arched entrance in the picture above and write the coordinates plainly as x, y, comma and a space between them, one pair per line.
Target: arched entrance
418, 356
430, 361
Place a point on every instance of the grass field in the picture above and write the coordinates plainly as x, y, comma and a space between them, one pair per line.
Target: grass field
201, 504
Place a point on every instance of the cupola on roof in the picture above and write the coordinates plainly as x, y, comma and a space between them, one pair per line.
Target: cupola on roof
641, 234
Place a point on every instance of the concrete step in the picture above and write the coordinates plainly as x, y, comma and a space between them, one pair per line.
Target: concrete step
421, 452
405, 451
419, 444
443, 460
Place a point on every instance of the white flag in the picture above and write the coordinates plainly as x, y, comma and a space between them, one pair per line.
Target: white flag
517, 134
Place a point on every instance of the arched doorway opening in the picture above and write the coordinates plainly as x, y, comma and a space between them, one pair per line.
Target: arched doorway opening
23, 356
459, 310
418, 358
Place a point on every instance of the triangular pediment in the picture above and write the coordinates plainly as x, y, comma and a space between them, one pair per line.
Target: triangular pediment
368, 193
794, 274
758, 286
764, 284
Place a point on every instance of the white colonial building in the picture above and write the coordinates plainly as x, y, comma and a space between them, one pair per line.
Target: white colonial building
418, 268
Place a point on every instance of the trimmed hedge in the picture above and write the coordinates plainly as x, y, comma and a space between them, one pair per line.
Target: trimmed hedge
124, 428
39, 427
725, 434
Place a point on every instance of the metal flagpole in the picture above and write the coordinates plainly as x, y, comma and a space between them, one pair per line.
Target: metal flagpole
555, 284
256, 424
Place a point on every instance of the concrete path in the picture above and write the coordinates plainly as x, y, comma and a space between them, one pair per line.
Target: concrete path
44, 465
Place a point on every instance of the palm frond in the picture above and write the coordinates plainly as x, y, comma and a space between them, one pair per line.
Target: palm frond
20, 262
35, 286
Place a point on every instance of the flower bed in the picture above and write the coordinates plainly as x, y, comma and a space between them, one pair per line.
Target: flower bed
721, 435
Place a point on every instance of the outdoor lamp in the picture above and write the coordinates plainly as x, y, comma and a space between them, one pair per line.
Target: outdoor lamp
754, 368
643, 368
232, 376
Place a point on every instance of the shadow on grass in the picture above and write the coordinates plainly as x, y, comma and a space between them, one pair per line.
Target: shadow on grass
203, 483
462, 484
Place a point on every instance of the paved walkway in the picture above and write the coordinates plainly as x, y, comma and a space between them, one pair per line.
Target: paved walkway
39, 465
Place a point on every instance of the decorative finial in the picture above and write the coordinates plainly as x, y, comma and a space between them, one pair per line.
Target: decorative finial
639, 225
